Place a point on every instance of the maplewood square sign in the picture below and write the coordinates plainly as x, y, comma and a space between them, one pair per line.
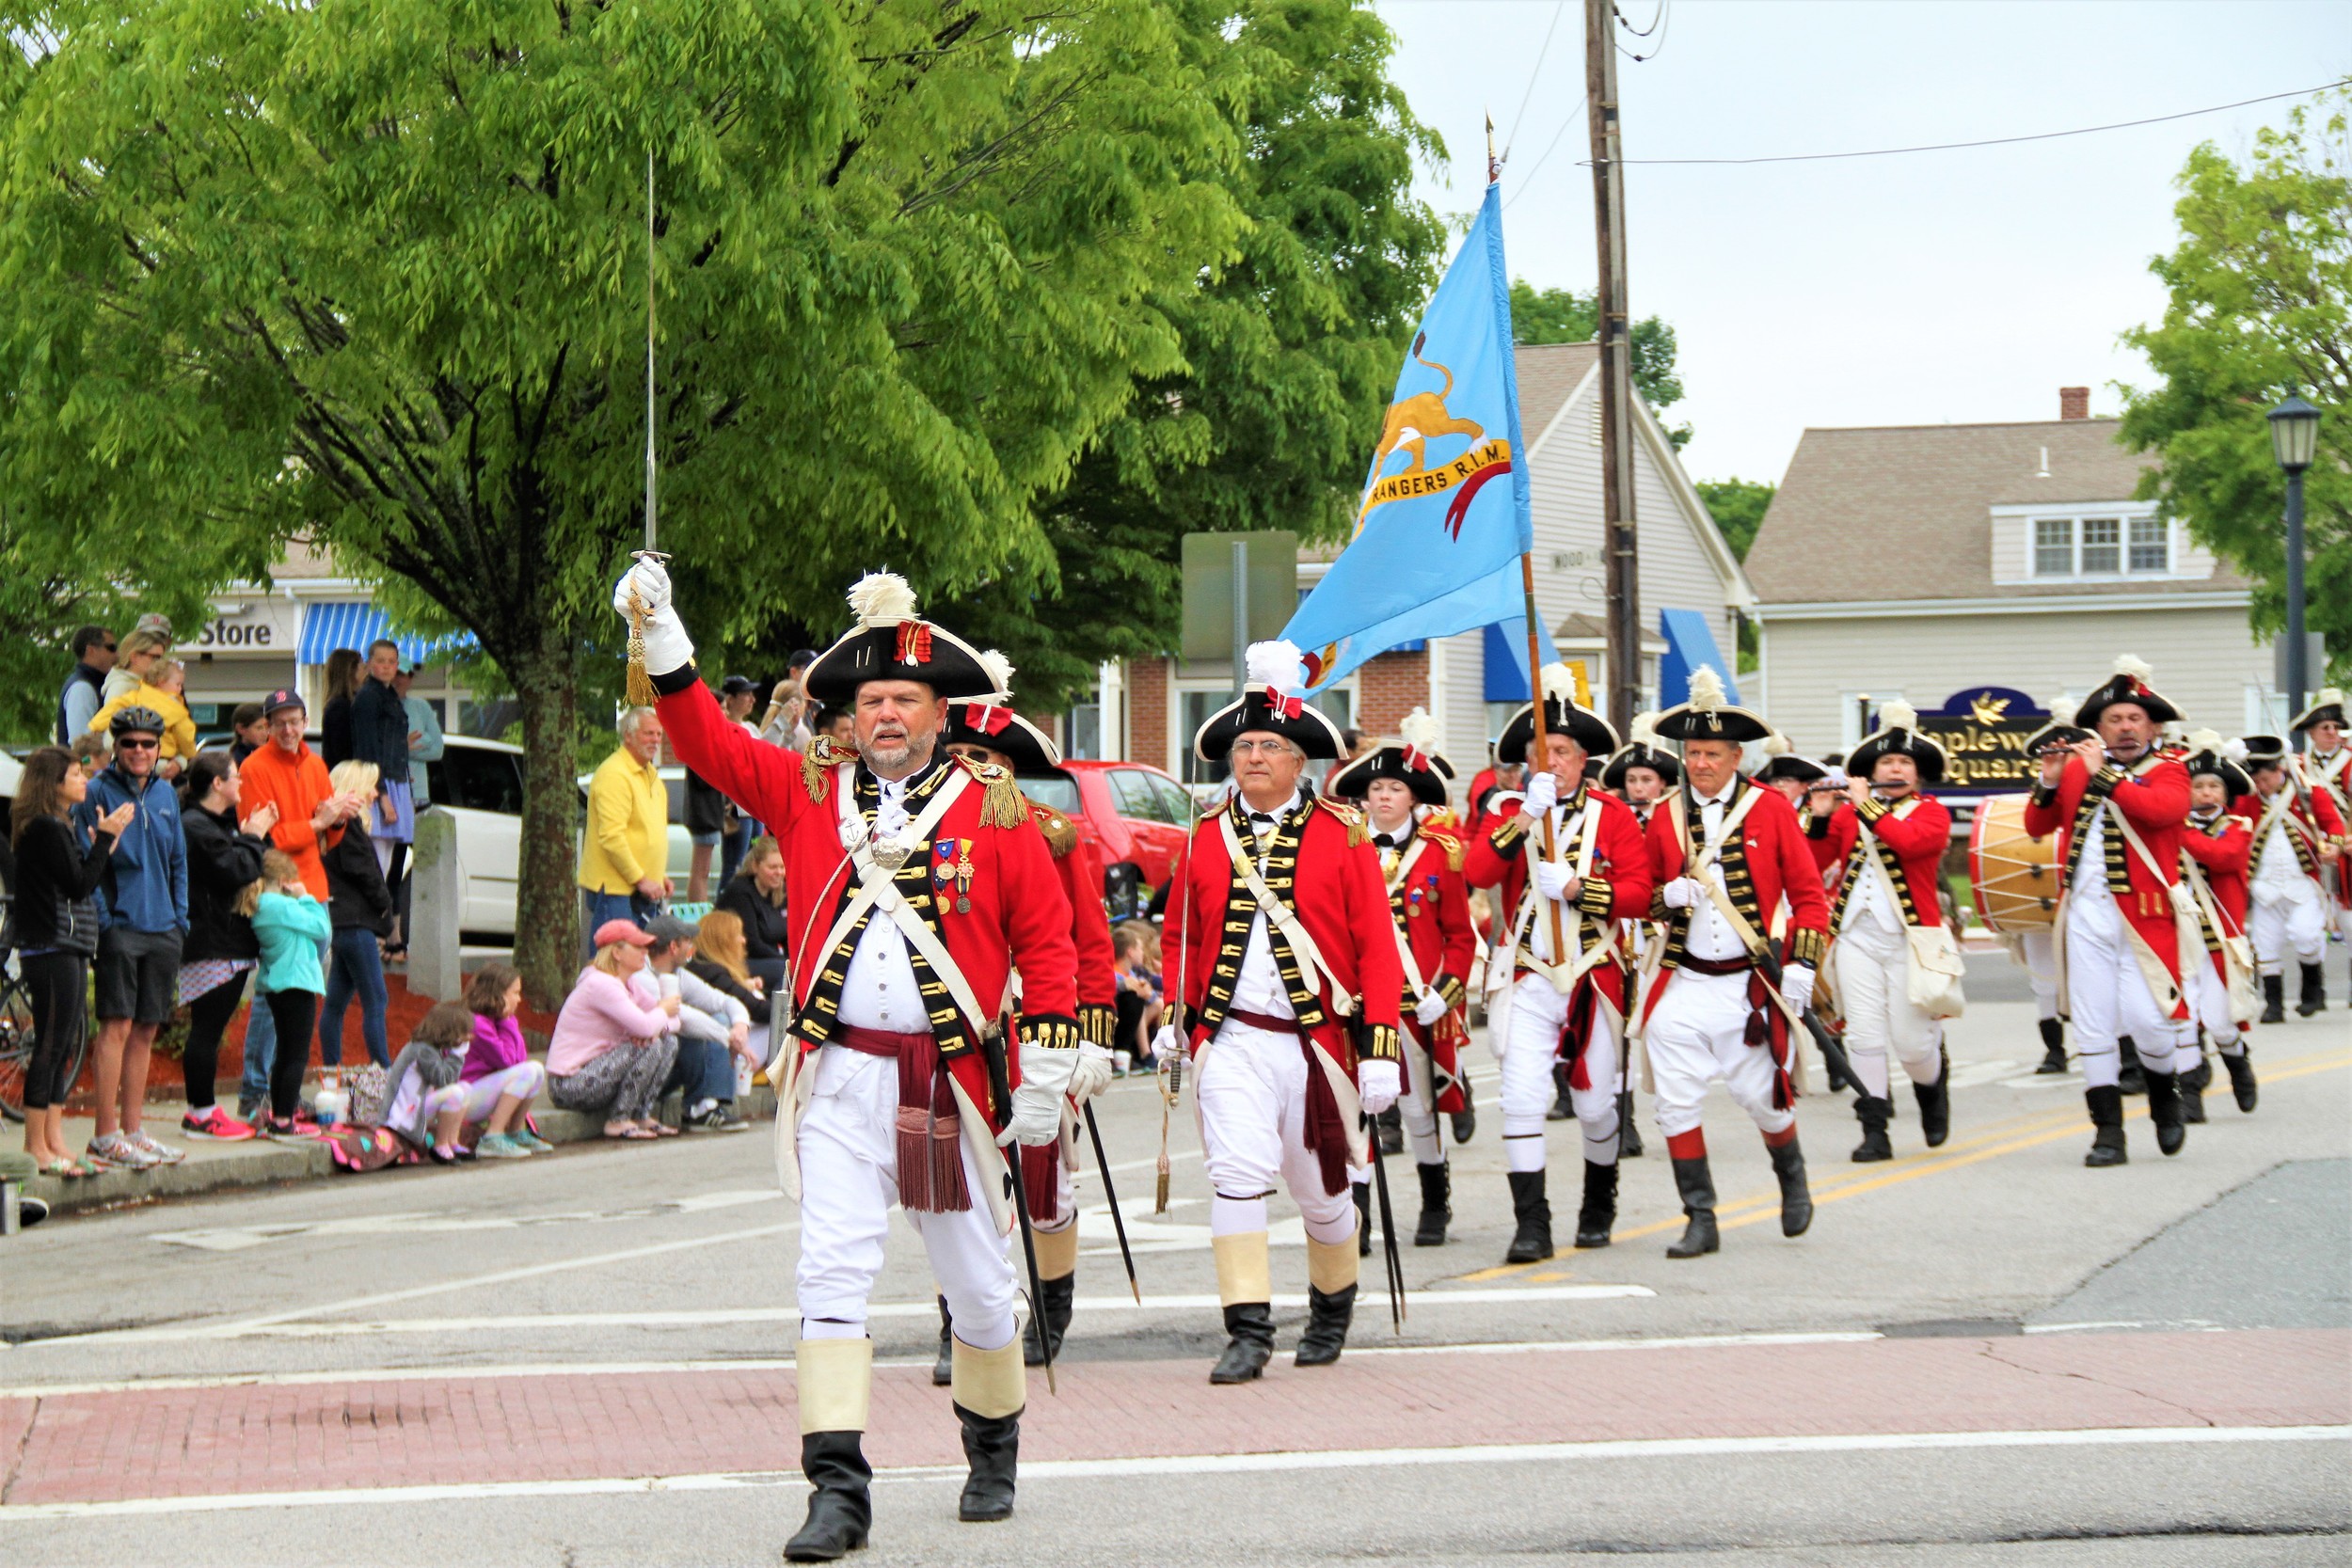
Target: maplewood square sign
1983, 731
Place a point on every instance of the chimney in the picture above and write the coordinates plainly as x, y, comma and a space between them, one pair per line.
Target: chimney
2073, 403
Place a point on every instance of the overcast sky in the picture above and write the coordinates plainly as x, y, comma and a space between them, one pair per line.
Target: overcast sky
1964, 286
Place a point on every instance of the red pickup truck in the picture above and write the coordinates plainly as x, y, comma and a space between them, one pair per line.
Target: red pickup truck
1134, 816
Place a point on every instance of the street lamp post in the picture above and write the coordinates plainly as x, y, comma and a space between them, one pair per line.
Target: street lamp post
2294, 441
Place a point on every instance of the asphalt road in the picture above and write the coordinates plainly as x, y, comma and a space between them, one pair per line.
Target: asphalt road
626, 1272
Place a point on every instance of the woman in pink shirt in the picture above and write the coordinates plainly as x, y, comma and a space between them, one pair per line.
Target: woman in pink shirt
610, 1053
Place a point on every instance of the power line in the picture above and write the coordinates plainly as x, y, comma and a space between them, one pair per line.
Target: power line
1511, 140
1999, 141
1655, 23
1528, 178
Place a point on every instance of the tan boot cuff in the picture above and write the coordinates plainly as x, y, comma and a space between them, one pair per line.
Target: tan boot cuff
991, 1383
1241, 1268
1057, 1253
835, 1380
1331, 1265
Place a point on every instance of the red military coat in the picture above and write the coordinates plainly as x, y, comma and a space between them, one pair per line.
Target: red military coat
2223, 851
993, 858
2331, 776
1080, 871
2152, 795
1917, 830
1429, 904
1617, 889
2312, 822
1771, 849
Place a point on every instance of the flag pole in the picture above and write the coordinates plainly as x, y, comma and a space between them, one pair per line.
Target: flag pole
1538, 745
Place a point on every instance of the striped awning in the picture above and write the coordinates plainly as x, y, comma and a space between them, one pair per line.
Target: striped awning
327, 627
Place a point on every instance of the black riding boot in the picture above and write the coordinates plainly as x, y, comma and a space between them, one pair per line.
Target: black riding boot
1935, 1102
1697, 1184
1391, 1125
2193, 1084
1870, 1110
943, 1369
1599, 1213
1054, 1299
1327, 1317
1363, 1219
1465, 1124
1531, 1241
2053, 1046
1436, 1205
2314, 991
1562, 1109
2107, 1147
2164, 1109
993, 1444
1250, 1345
2129, 1079
1796, 1198
1629, 1132
2273, 999
840, 1510
2241, 1069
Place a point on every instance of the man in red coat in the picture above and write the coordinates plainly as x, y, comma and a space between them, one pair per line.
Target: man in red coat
1289, 1006
1572, 867
918, 884
1429, 909
990, 734
1890, 839
2326, 769
2296, 830
2216, 848
1725, 852
2116, 914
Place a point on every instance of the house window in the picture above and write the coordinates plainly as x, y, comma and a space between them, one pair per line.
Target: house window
2102, 549
2054, 547
2101, 546
2152, 545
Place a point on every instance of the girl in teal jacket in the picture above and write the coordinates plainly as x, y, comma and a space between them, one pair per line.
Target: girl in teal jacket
293, 929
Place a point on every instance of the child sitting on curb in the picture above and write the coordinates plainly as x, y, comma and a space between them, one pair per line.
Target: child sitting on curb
424, 1081
500, 1077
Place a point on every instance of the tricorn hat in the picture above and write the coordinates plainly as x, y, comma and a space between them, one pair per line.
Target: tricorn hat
1412, 759
1783, 761
1562, 716
890, 643
1707, 717
2265, 750
987, 721
1642, 750
1898, 734
1274, 703
2327, 707
2129, 684
2056, 735
2224, 759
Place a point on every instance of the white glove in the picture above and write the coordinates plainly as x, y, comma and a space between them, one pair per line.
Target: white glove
1685, 893
1092, 1074
1431, 1008
1543, 792
1552, 879
1036, 1116
1168, 1042
667, 646
1378, 1085
1796, 984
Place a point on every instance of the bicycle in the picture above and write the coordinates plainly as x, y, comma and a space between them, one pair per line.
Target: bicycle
16, 1044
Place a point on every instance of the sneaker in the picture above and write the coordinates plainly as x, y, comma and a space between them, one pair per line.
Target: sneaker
719, 1119
216, 1123
498, 1146
249, 1111
114, 1151
285, 1130
164, 1154
532, 1142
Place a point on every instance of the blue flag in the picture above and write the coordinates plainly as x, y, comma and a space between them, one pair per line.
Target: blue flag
1439, 533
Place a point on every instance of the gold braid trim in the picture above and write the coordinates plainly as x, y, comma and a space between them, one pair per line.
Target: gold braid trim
819, 760
1004, 806
1359, 831
1447, 842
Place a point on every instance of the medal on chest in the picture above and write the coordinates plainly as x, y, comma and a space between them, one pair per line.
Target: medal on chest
951, 867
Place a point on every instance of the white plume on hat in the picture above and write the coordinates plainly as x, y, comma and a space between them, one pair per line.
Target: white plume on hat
1707, 690
1777, 745
2138, 669
1279, 665
2234, 750
2202, 741
2329, 695
999, 670
881, 600
1645, 729
1559, 683
1898, 715
1420, 732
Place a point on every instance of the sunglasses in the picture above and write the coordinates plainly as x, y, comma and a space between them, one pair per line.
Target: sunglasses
136, 743
110, 647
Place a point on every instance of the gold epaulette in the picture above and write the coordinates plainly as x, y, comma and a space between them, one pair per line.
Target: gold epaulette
1447, 842
1060, 836
1358, 831
1004, 805
2246, 822
817, 762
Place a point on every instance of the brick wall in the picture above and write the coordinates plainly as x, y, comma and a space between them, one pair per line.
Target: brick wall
1389, 688
1147, 711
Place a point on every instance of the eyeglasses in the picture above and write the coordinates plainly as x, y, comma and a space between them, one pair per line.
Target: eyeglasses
1271, 748
110, 647
136, 743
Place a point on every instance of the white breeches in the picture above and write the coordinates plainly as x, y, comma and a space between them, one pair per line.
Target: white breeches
2038, 949
2286, 917
1418, 1106
1698, 1033
2209, 1005
850, 1181
1874, 989
2108, 996
1252, 1090
1530, 1045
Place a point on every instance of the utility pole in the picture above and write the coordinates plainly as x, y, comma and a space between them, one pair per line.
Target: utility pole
1619, 535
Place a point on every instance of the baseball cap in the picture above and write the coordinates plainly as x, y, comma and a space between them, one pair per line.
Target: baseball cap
736, 685
622, 930
284, 697
669, 927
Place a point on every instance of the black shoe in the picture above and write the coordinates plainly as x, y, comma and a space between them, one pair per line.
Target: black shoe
1436, 1205
1629, 1135
1392, 1123
993, 1444
2273, 999
1327, 1317
1796, 1198
2129, 1078
1052, 1320
2314, 998
943, 1369
1562, 1109
1697, 1184
1465, 1125
2053, 1046
2242, 1085
840, 1511
2193, 1085
1599, 1213
1363, 1219
721, 1118
2164, 1109
1531, 1241
1870, 1110
31, 1211
2107, 1147
1935, 1102
1249, 1327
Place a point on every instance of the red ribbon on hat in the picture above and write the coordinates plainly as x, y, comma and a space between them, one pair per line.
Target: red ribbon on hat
1415, 760
1284, 708
987, 718
914, 642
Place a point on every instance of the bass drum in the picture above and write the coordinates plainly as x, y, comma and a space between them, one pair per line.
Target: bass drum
2013, 873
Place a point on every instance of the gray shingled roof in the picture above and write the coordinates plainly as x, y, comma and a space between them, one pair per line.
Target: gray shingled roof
1903, 512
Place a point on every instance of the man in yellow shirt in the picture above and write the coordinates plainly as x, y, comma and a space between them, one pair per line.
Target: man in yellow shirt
625, 848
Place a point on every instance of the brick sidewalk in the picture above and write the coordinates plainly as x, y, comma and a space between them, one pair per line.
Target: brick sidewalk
460, 1429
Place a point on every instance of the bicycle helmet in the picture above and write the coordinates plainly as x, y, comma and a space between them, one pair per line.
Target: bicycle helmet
136, 720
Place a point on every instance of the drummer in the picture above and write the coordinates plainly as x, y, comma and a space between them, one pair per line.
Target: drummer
2037, 950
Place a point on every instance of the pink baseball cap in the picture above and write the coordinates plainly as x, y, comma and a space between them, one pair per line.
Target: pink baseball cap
622, 930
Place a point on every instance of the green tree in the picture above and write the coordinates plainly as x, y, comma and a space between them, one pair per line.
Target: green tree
375, 274
2258, 305
1290, 350
1565, 316
1737, 506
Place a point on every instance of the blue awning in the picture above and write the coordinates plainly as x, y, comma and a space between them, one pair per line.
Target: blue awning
1690, 644
1506, 664
327, 627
